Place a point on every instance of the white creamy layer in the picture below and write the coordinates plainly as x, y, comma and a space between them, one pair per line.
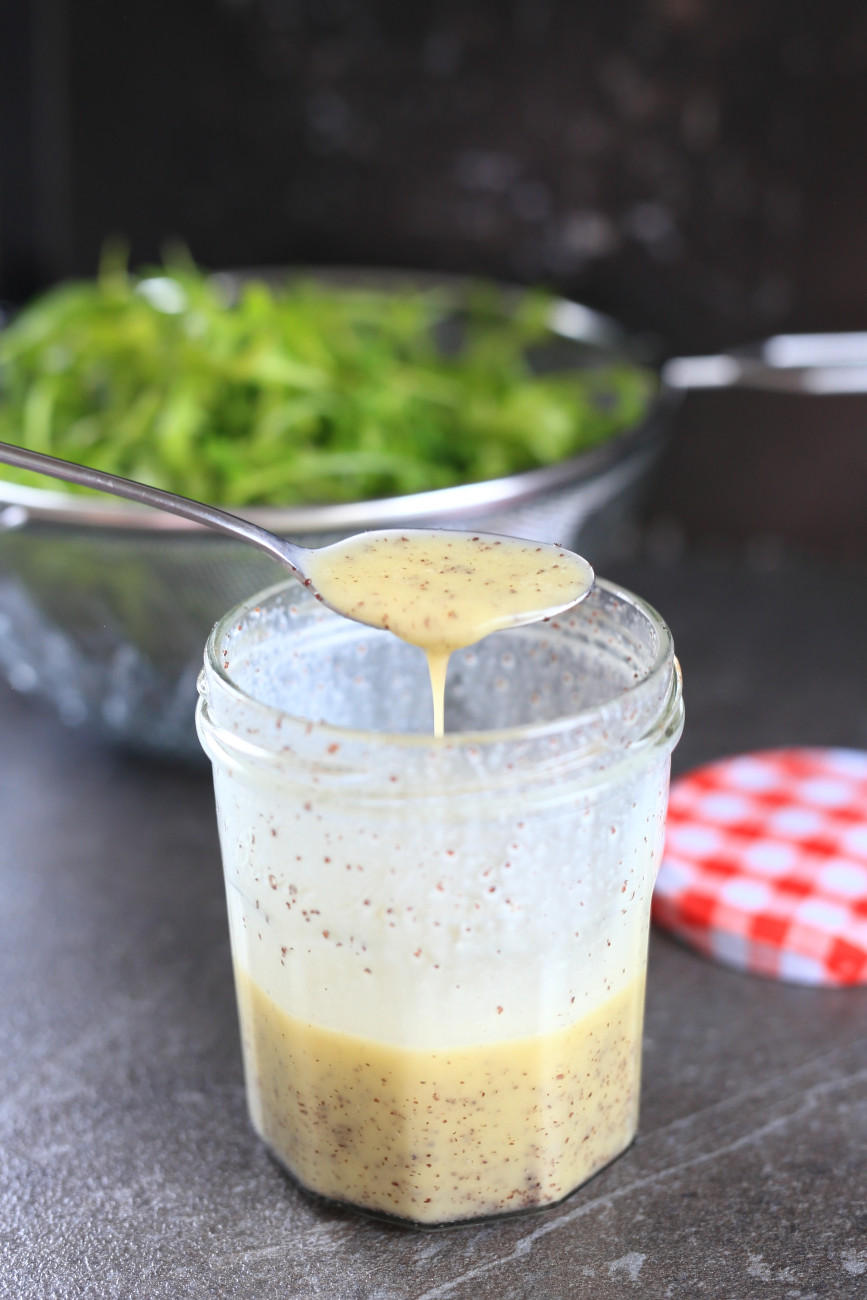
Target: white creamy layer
431, 933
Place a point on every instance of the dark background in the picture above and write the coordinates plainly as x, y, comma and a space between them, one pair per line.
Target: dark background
694, 167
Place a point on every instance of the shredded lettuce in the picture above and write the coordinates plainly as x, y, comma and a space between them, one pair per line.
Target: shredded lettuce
305, 393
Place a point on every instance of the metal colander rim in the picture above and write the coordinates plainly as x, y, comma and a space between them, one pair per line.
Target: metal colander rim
53, 506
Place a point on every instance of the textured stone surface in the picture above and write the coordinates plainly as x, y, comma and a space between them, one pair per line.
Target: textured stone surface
127, 1167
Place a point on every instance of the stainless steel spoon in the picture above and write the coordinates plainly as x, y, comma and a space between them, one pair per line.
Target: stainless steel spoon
295, 557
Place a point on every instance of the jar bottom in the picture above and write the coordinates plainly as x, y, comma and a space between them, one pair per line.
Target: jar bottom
446, 1225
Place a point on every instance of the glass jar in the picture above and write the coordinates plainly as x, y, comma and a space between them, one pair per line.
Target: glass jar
440, 945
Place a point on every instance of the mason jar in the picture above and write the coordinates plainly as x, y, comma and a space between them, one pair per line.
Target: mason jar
440, 945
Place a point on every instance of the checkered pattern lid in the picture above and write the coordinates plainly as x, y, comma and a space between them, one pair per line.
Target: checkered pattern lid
765, 864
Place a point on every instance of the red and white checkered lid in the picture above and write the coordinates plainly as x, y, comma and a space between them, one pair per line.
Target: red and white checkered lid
765, 864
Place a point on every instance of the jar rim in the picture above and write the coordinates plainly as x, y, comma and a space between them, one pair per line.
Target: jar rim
664, 663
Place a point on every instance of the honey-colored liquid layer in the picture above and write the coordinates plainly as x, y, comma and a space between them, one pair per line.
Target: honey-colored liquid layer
438, 1136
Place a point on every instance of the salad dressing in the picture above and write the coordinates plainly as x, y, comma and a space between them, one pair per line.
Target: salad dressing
397, 1058
443, 590
454, 1133
438, 1135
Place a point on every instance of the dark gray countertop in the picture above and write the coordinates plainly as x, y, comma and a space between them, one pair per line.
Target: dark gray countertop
127, 1166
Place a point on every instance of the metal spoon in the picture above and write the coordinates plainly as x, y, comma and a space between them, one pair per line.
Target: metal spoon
299, 559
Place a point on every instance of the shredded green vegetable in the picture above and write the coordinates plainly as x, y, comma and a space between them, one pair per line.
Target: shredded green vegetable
309, 393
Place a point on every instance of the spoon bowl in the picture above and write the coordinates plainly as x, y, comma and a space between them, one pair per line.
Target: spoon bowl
326, 565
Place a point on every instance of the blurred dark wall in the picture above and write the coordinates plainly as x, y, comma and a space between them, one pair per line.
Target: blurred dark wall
695, 167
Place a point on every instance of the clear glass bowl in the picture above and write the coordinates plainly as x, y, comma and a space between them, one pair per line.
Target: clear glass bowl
104, 605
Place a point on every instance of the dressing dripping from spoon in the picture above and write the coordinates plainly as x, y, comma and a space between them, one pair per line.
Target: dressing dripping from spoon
443, 590
434, 588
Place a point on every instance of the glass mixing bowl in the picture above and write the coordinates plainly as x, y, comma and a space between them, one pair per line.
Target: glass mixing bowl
104, 605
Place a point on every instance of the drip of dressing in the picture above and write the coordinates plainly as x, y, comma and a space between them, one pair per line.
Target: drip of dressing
442, 590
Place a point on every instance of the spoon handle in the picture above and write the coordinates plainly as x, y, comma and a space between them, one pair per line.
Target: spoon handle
209, 516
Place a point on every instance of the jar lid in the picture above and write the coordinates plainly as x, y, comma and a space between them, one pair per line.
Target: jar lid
765, 864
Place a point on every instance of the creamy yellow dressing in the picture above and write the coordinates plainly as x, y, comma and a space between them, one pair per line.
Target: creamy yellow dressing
461, 1132
443, 590
436, 1136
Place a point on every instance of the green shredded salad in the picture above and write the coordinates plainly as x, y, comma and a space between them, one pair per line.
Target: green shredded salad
306, 393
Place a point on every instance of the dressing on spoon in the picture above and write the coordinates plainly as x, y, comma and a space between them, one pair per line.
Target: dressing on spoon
443, 590
436, 589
